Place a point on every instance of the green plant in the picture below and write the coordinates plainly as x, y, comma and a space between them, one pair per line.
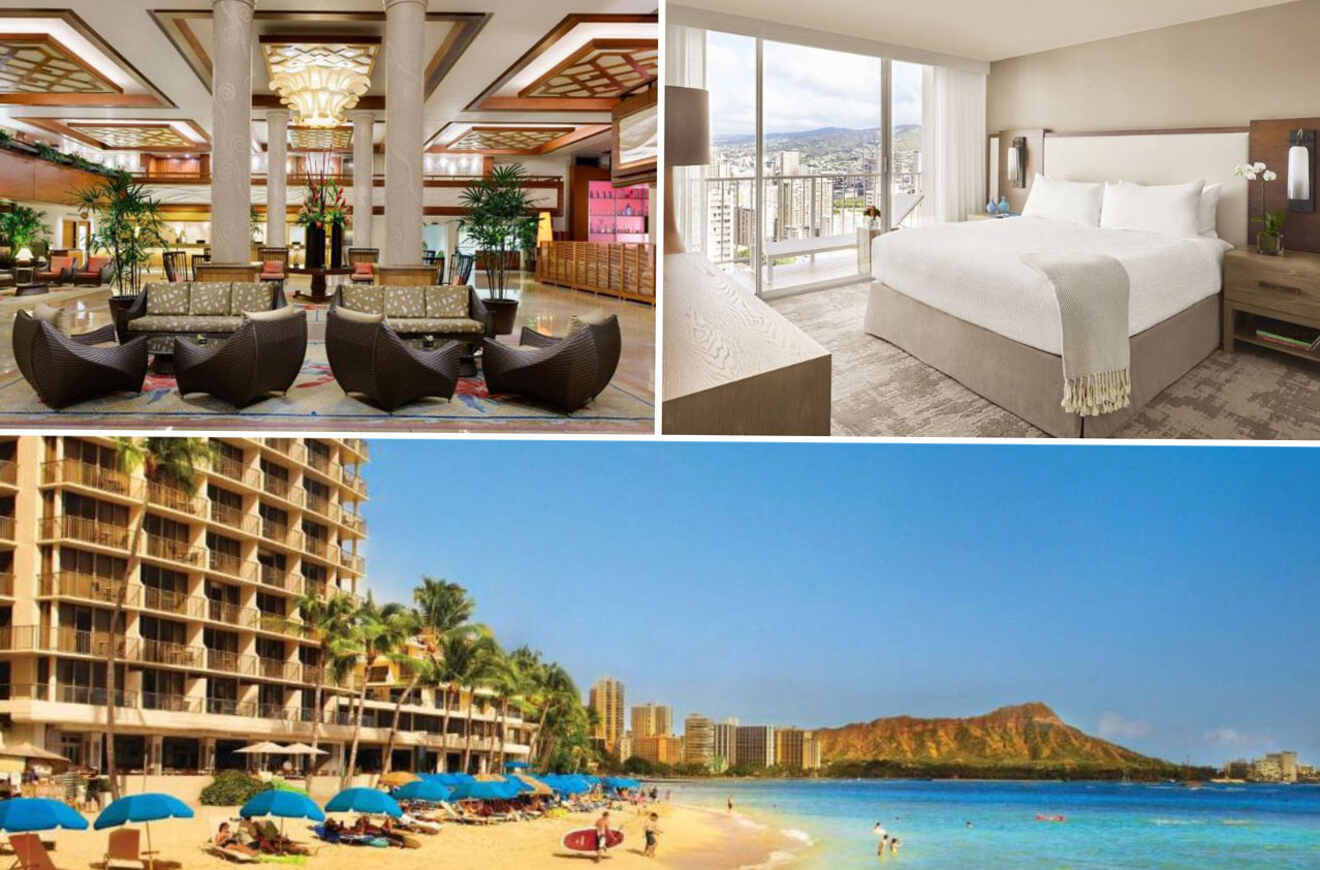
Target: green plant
23, 227
232, 788
128, 224
498, 220
5, 138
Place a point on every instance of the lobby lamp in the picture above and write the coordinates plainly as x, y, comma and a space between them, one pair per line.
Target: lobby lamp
687, 143
1017, 160
24, 255
545, 232
1301, 165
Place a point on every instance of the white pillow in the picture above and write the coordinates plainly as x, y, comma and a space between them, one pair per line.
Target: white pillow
1171, 210
1209, 211
1075, 201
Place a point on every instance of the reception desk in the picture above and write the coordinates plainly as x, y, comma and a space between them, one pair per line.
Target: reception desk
625, 270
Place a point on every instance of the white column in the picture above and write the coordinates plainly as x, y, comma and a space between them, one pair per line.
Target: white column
405, 28
277, 195
231, 131
364, 164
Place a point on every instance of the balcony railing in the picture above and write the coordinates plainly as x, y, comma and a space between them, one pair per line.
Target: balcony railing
7, 584
174, 498
272, 622
234, 566
9, 473
289, 581
7, 528
223, 660
172, 550
278, 669
168, 601
358, 446
94, 695
230, 707
353, 522
86, 530
323, 463
172, 703
75, 471
167, 653
222, 611
352, 562
321, 505
92, 587
320, 547
249, 477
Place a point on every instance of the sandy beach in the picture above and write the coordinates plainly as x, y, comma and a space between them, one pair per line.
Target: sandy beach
691, 838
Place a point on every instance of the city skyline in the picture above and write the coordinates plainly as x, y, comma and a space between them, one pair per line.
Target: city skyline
874, 570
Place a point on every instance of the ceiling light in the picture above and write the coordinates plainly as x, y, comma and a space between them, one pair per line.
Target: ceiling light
320, 95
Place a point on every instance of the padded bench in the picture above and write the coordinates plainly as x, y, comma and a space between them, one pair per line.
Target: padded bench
185, 309
800, 247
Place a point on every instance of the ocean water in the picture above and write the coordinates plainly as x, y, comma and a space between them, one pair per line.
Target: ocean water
829, 823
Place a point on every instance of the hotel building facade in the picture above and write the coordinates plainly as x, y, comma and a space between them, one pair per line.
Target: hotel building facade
797, 749
698, 739
651, 719
212, 653
606, 698
755, 745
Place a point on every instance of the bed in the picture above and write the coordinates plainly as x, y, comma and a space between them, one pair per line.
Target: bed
958, 297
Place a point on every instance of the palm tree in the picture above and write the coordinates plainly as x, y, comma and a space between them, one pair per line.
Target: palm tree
469, 656
441, 608
325, 619
378, 630
509, 684
170, 462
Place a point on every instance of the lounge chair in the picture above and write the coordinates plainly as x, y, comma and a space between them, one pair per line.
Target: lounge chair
123, 851
369, 358
30, 852
263, 356
229, 854
565, 373
66, 369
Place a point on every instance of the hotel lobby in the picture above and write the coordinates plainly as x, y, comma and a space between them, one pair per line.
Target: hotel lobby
382, 214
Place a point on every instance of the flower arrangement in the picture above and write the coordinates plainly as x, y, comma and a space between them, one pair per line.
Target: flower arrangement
1270, 238
323, 205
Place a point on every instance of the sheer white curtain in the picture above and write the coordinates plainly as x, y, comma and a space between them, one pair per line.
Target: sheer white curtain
685, 66
953, 141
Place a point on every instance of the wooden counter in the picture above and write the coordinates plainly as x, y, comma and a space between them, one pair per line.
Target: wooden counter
732, 364
613, 268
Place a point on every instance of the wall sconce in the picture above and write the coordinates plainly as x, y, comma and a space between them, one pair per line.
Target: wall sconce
1017, 162
1301, 170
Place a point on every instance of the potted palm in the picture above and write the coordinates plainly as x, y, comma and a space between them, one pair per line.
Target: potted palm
500, 218
22, 228
128, 225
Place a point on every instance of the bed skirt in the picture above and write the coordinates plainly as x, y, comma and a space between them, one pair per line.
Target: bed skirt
1028, 382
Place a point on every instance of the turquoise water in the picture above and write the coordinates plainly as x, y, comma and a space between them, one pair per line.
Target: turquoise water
1108, 825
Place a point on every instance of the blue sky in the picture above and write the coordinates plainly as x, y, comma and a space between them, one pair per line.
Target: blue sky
1165, 598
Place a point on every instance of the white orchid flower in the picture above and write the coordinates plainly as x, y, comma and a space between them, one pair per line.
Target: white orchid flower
1250, 176
1270, 175
1241, 169
1259, 167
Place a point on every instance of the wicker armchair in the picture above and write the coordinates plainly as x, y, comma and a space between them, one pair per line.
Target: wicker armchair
369, 358
66, 369
461, 271
565, 373
264, 355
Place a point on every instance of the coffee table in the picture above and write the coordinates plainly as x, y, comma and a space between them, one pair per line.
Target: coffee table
31, 289
318, 292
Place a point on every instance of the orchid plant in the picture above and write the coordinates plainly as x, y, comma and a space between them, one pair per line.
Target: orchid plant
1271, 221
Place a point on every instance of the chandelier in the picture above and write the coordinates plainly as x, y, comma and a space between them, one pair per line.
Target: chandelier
319, 83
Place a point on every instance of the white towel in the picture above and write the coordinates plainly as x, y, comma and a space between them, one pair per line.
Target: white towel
1092, 290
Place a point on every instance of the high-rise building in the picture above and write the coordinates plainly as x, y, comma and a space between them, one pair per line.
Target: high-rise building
212, 652
698, 739
606, 699
797, 749
726, 743
755, 746
650, 719
659, 748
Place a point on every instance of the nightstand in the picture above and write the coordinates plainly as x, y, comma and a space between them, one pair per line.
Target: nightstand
1277, 294
986, 216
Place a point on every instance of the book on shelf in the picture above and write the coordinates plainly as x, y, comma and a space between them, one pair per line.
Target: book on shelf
1287, 340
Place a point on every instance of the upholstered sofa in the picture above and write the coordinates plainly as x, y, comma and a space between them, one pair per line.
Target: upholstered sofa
97, 272
190, 308
447, 312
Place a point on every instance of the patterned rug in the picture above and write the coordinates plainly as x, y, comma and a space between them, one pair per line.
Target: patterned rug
316, 396
879, 390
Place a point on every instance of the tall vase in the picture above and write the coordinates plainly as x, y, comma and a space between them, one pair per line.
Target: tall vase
337, 246
315, 246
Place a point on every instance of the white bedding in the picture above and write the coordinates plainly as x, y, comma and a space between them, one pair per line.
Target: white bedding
974, 271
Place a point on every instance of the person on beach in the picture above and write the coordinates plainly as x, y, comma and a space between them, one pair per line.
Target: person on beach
893, 845
226, 839
602, 835
884, 841
652, 831
730, 803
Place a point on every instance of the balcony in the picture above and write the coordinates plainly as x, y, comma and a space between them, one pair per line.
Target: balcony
72, 641
90, 587
172, 703
289, 447
281, 533
234, 518
222, 611
352, 562
168, 601
98, 477
223, 660
6, 528
321, 505
321, 460
274, 711
358, 446
163, 652
94, 695
313, 674
320, 548
230, 707
172, 550
234, 566
175, 499
277, 669
353, 522
281, 488
85, 530
8, 473
7, 584
275, 623
352, 478
238, 472
278, 578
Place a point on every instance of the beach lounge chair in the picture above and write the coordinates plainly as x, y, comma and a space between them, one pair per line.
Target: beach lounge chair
229, 854
30, 852
122, 851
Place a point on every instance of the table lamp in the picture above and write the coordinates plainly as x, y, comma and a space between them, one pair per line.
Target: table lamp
687, 143
24, 255
545, 232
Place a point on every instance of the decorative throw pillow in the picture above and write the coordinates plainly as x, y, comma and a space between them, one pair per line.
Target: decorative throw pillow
1073, 201
167, 298
366, 298
405, 302
446, 301
250, 297
1208, 213
50, 314
363, 268
209, 297
358, 316
594, 317
288, 312
272, 267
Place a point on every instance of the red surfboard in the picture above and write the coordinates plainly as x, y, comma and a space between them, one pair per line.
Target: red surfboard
584, 839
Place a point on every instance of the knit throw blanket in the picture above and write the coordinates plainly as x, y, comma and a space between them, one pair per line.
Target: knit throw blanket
1092, 290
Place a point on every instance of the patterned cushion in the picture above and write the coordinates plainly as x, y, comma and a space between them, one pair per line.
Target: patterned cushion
209, 297
370, 299
49, 313
593, 317
447, 301
251, 297
167, 298
183, 323
405, 302
436, 324
358, 316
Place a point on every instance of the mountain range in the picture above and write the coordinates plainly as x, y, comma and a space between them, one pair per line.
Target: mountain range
1026, 736
828, 138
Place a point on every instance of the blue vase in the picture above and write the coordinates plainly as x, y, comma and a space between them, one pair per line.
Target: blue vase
1003, 205
990, 207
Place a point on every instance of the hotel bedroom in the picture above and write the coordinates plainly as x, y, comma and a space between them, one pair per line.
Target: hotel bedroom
997, 220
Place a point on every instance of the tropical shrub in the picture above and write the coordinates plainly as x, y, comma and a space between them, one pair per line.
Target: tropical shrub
498, 220
128, 224
232, 788
22, 227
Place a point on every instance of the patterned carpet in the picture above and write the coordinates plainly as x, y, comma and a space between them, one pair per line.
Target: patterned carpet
316, 401
879, 390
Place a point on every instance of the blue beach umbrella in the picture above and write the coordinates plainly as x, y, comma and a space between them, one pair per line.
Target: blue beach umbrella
282, 805
424, 790
516, 765
145, 808
483, 791
38, 814
364, 800
448, 778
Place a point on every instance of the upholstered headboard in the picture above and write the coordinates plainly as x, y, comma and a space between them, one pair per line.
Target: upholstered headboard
1159, 157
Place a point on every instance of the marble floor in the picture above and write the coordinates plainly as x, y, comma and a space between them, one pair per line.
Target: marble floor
543, 307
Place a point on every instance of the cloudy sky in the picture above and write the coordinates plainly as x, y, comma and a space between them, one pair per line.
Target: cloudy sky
1157, 596
805, 88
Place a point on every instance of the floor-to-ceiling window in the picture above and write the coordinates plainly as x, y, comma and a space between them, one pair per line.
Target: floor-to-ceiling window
907, 188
